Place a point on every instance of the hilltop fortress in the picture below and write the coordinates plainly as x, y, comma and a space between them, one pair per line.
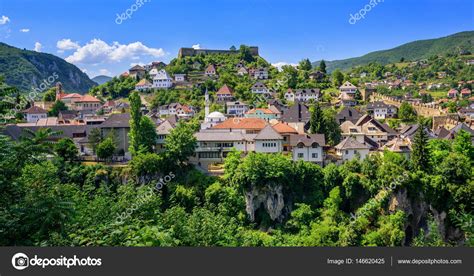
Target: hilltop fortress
189, 52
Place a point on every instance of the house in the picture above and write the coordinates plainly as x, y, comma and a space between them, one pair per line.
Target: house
213, 119
242, 71
168, 109
466, 112
260, 74
268, 140
246, 125
137, 71
87, 103
163, 130
369, 127
143, 85
470, 62
308, 147
305, 95
408, 132
452, 133
382, 111
179, 77
262, 113
224, 94
297, 116
399, 145
236, 108
289, 95
441, 75
153, 72
184, 112
119, 125
348, 114
348, 92
34, 113
465, 93
350, 148
210, 70
285, 130
69, 99
162, 80
453, 93
260, 88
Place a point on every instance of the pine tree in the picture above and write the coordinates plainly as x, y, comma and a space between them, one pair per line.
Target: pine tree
322, 66
317, 119
420, 155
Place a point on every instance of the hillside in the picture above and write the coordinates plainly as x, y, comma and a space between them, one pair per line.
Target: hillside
25, 69
101, 79
416, 50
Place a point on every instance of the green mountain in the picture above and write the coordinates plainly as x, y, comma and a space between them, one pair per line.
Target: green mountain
101, 79
416, 50
26, 69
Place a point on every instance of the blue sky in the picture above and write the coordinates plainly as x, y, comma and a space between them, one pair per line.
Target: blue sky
85, 32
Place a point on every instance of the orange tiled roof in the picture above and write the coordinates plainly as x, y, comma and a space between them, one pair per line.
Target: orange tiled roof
88, 98
224, 90
264, 110
242, 123
284, 128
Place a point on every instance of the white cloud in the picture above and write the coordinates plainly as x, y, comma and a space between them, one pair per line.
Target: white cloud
38, 47
196, 46
104, 72
280, 64
4, 20
24, 30
98, 51
67, 44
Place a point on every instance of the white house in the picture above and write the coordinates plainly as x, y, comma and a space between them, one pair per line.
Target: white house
268, 141
380, 110
169, 109
162, 80
179, 77
224, 94
153, 72
34, 113
308, 147
302, 95
349, 148
237, 108
210, 70
260, 88
242, 71
348, 91
260, 74
142, 85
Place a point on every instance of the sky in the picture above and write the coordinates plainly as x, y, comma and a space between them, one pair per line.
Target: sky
109, 36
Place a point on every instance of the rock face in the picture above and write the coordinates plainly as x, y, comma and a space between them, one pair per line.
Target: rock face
270, 197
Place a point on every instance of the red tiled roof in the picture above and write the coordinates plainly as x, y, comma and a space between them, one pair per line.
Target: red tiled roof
88, 98
35, 110
284, 128
242, 123
264, 110
225, 90
73, 95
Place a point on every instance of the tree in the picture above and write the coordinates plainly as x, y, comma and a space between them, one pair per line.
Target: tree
56, 108
420, 156
135, 121
322, 66
180, 144
337, 78
245, 54
317, 120
50, 95
148, 134
332, 131
66, 149
463, 145
106, 149
406, 112
95, 137
305, 65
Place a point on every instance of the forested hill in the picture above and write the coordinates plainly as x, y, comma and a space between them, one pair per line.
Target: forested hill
420, 49
25, 69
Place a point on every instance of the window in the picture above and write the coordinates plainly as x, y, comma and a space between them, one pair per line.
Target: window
314, 155
347, 152
300, 155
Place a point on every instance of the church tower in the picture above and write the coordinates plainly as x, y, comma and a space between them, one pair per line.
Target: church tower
59, 91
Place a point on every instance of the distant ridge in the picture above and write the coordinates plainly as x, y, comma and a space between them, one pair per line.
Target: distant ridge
416, 50
25, 69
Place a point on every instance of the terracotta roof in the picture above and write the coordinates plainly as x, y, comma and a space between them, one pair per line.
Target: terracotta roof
225, 90
88, 98
211, 67
143, 82
242, 123
284, 128
347, 85
73, 95
35, 110
264, 110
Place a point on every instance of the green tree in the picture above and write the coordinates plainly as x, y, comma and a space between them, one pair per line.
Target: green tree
463, 144
106, 149
95, 137
148, 134
317, 121
135, 121
56, 108
180, 144
322, 66
420, 156
337, 78
66, 149
305, 65
406, 112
